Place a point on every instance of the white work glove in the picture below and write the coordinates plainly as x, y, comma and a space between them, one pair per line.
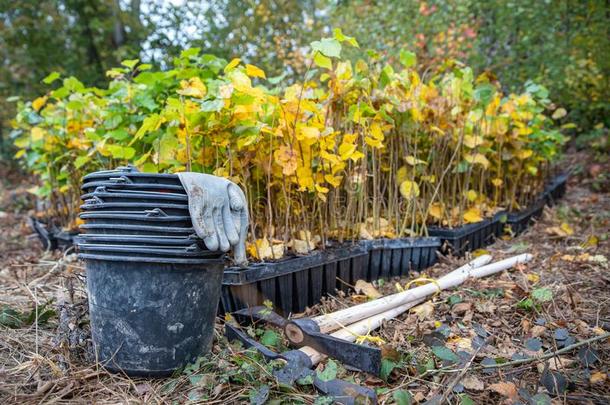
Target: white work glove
219, 211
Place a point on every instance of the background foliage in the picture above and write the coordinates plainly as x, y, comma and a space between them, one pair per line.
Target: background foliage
562, 44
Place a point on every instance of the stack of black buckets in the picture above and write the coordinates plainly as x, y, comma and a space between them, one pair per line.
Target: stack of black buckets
153, 286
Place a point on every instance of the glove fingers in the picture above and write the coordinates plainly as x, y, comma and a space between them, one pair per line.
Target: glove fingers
230, 227
220, 231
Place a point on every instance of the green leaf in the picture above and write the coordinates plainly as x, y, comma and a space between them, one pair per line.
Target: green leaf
81, 161
270, 338
340, 36
212, 105
407, 58
465, 399
386, 75
322, 61
445, 353
387, 366
328, 46
51, 78
403, 397
187, 53
118, 134
329, 372
484, 93
542, 294
130, 63
10, 317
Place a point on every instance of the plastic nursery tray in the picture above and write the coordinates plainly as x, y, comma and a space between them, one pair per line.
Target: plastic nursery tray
519, 221
470, 237
556, 188
293, 283
396, 257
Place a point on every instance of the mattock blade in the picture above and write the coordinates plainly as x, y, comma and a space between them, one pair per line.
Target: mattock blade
305, 332
260, 313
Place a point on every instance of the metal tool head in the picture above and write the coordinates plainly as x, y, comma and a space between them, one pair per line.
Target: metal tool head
259, 313
298, 365
305, 332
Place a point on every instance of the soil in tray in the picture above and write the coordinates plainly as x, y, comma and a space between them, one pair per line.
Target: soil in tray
471, 236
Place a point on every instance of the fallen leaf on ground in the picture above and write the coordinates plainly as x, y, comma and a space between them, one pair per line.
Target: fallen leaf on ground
367, 289
506, 389
561, 231
598, 377
424, 310
473, 383
461, 308
556, 364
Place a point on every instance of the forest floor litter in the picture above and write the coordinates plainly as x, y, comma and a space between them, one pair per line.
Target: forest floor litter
537, 334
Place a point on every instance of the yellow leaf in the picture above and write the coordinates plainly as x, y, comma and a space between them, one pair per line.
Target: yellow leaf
286, 157
261, 249
367, 289
480, 252
402, 174
38, 103
346, 150
322, 189
598, 377
473, 215
472, 141
567, 229
497, 182
19, 153
193, 87
559, 113
471, 195
376, 131
254, 71
409, 189
37, 134
308, 133
424, 311
533, 278
334, 181
436, 211
375, 143
414, 161
398, 287
524, 154
481, 159
232, 64
592, 241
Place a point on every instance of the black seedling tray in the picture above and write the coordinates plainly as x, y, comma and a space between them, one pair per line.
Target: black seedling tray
294, 283
519, 221
470, 237
556, 188
397, 257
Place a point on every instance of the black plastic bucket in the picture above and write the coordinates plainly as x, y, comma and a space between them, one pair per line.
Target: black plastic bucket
140, 240
110, 195
144, 230
170, 209
156, 217
119, 185
151, 241
130, 175
193, 250
151, 316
